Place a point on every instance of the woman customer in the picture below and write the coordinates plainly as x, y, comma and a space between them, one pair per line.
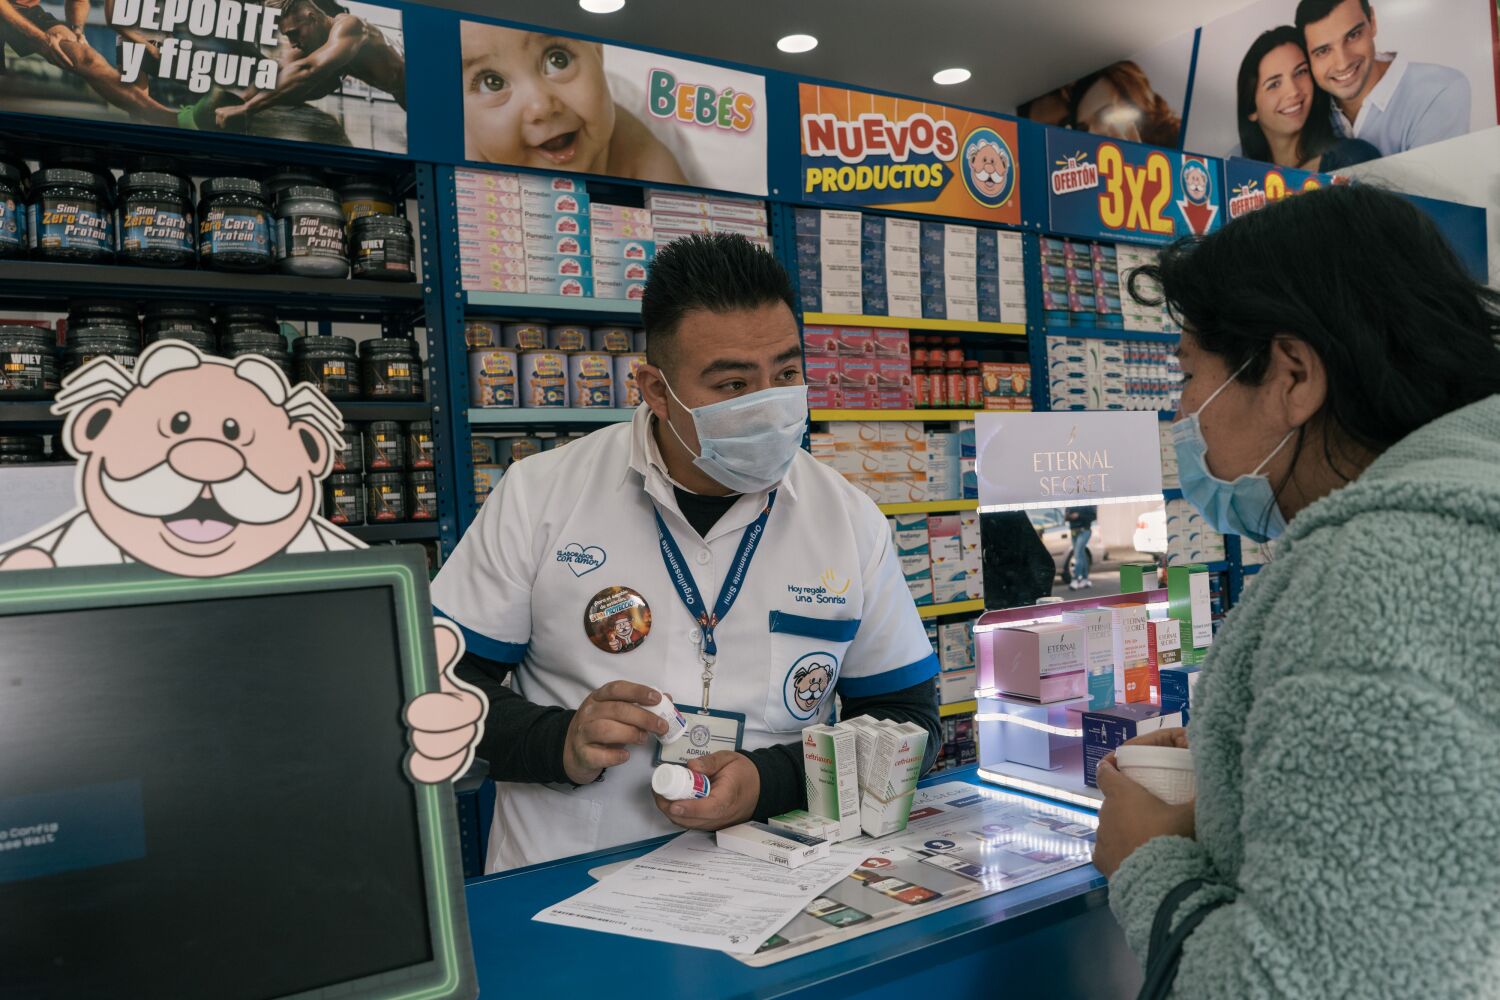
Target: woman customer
1284, 118
1342, 394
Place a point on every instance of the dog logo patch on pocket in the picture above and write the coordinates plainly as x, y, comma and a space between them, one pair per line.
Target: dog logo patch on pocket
808, 682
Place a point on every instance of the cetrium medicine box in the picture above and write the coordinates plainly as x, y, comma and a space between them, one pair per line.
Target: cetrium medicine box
829, 754
891, 779
805, 824
1045, 662
765, 843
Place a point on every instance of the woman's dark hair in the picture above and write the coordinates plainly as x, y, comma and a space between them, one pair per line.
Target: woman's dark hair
1364, 278
1317, 135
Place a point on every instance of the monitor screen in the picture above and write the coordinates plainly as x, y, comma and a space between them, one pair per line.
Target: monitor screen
206, 798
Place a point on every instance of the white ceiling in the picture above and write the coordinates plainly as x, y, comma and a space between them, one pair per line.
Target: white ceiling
1016, 49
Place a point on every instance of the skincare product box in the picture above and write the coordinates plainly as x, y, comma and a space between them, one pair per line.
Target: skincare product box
1188, 601
1044, 662
1106, 730
1177, 686
1130, 643
1099, 654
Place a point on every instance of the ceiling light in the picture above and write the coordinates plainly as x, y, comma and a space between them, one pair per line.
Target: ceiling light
601, 6
797, 43
947, 76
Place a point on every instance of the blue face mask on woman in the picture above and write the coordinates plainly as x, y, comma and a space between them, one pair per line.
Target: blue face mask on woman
748, 443
1246, 506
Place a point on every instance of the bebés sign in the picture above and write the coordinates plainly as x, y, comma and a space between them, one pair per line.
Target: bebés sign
1031, 461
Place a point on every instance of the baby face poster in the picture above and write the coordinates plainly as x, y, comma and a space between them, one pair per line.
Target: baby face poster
555, 102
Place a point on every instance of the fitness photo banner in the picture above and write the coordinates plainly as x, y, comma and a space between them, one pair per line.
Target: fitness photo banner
870, 151
300, 70
1108, 189
1254, 185
536, 99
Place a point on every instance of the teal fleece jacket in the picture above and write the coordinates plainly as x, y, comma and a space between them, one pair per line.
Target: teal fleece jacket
1346, 734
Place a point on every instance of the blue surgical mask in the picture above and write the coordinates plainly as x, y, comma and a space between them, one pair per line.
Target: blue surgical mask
1246, 506
748, 443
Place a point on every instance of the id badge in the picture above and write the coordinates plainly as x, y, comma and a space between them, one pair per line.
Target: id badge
707, 732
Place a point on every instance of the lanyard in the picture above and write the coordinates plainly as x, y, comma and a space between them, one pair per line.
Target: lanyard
682, 579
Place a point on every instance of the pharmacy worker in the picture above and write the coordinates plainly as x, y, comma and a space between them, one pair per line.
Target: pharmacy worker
697, 550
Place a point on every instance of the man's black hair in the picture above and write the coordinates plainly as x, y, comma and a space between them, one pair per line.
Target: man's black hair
1313, 11
1366, 280
723, 272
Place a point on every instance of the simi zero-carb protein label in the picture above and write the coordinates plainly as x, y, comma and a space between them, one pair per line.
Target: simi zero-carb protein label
234, 230
154, 227
70, 224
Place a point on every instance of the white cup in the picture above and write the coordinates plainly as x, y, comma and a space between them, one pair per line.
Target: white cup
1166, 772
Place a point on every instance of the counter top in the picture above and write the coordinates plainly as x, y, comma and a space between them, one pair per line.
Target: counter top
1056, 933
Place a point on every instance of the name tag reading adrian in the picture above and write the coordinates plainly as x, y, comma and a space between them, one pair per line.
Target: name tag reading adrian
707, 732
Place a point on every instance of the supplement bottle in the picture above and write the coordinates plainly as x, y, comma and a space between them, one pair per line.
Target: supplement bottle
675, 782
419, 444
385, 446
390, 368
88, 343
309, 233
156, 220
385, 497
382, 248
234, 226
361, 196
328, 363
28, 363
12, 212
69, 216
349, 456
344, 498
422, 496
102, 312
21, 449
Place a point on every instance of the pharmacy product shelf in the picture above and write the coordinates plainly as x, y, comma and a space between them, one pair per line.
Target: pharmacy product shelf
913, 323
956, 608
1091, 332
930, 507
411, 531
502, 416
930, 416
626, 311
959, 708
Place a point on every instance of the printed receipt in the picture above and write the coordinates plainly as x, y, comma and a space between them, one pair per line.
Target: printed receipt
690, 892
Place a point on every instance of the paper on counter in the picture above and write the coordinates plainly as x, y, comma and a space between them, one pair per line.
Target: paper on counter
692, 892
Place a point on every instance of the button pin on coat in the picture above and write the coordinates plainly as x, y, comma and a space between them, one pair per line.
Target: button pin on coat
617, 619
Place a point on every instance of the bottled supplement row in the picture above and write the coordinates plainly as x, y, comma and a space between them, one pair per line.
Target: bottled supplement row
383, 474
295, 222
531, 365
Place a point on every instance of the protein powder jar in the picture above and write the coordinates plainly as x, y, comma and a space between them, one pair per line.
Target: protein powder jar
390, 368
385, 446
349, 456
421, 496
84, 313
310, 233
84, 345
385, 497
231, 319
156, 220
290, 177
28, 363
382, 248
242, 340
21, 449
12, 212
69, 216
419, 445
362, 196
234, 227
328, 363
188, 321
344, 498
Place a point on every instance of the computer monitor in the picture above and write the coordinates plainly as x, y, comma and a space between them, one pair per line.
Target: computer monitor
202, 790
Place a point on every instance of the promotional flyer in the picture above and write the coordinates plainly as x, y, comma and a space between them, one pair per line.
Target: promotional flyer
1252, 185
1103, 189
867, 151
299, 70
554, 102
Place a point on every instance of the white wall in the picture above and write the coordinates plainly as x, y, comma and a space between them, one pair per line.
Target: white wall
1461, 170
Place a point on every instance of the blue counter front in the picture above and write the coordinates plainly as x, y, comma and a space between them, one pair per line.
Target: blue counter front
1054, 938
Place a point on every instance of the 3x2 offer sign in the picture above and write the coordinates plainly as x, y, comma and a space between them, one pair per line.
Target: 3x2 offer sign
1105, 188
1254, 185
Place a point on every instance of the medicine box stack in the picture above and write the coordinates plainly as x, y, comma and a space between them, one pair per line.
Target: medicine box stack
1002, 277
968, 455
955, 650
778, 845
624, 245
857, 369
895, 752
885, 460
1189, 537
950, 274
675, 214
890, 266
829, 267
1080, 283
1090, 374
1006, 385
555, 223
1135, 316
828, 754
1169, 476
939, 557
491, 240
959, 748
